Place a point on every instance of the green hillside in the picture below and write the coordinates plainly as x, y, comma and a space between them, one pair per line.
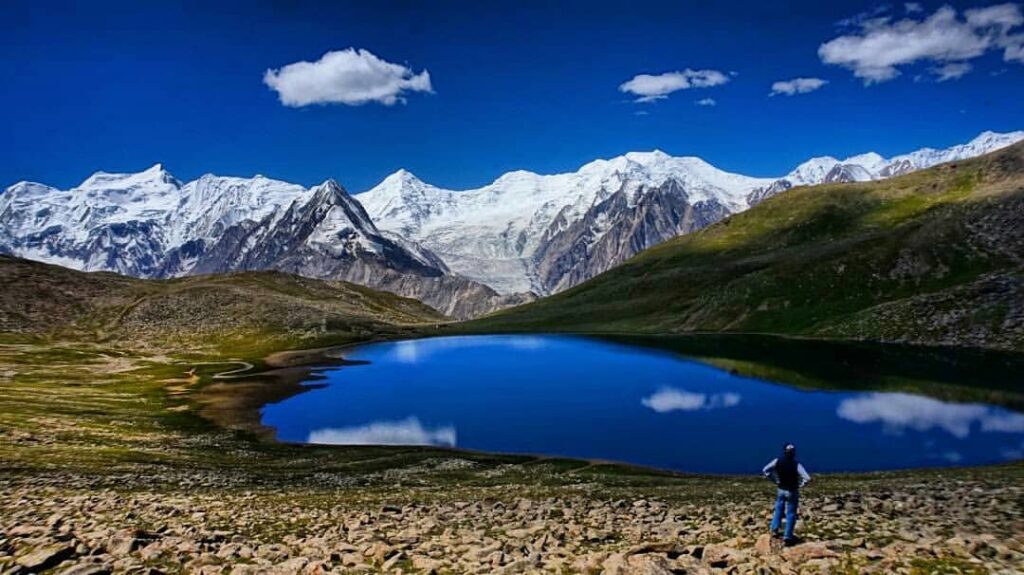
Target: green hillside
243, 312
933, 257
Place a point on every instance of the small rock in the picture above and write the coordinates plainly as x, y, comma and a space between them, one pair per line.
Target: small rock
46, 557
646, 564
763, 545
87, 569
807, 551
426, 565
719, 555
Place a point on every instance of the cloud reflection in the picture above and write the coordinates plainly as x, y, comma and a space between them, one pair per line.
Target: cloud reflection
403, 432
669, 399
417, 350
900, 411
407, 351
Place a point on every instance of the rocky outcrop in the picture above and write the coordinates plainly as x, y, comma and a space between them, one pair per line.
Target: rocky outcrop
616, 229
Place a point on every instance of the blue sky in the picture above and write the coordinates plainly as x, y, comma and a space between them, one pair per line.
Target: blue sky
119, 86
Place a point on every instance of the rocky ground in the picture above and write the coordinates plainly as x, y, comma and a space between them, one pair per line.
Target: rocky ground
64, 525
104, 468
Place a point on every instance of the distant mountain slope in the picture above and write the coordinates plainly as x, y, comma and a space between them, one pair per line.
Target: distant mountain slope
250, 310
933, 257
151, 225
531, 232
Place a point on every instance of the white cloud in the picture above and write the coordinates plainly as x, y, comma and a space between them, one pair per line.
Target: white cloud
871, 15
797, 86
352, 77
649, 88
951, 71
881, 46
899, 411
913, 7
404, 432
671, 399
707, 102
1015, 53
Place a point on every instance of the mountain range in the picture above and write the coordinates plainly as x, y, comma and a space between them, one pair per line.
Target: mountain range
151, 225
464, 253
545, 233
933, 257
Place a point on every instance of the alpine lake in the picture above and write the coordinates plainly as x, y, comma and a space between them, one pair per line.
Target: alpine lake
702, 404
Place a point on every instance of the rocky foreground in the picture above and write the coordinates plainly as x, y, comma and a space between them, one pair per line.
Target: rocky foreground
65, 525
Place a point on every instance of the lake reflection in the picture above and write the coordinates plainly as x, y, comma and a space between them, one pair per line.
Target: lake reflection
588, 398
406, 432
898, 412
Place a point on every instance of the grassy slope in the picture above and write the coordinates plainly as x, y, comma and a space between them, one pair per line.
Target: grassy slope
244, 313
932, 257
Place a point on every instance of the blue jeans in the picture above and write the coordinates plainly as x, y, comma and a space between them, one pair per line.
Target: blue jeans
789, 500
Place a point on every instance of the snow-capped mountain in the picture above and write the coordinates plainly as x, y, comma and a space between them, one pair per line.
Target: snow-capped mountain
127, 223
871, 166
149, 224
502, 234
462, 252
545, 233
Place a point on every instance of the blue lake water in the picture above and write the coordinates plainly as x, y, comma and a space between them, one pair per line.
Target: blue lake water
586, 398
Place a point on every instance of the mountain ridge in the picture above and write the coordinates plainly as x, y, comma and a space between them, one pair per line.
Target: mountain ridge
502, 234
464, 253
933, 257
149, 224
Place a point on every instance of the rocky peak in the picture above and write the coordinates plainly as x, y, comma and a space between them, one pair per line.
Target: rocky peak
335, 208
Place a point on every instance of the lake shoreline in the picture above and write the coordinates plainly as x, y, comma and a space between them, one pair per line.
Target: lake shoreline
237, 405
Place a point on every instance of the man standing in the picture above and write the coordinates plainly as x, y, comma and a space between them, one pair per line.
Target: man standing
790, 476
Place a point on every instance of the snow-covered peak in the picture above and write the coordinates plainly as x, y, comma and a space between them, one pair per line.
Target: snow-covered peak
510, 217
209, 205
404, 177
870, 161
28, 189
404, 183
332, 193
152, 178
647, 158
341, 223
989, 140
873, 166
641, 170
812, 171
24, 196
516, 177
